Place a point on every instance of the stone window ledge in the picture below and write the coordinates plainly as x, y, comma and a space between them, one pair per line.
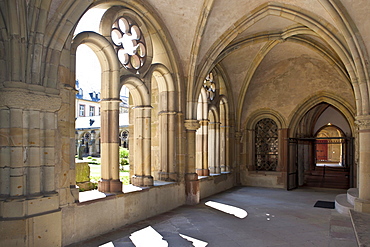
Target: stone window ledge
93, 195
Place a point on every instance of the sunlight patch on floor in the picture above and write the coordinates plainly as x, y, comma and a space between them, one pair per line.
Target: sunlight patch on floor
110, 244
148, 237
237, 212
196, 242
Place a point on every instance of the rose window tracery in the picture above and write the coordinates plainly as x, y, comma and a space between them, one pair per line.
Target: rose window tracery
129, 43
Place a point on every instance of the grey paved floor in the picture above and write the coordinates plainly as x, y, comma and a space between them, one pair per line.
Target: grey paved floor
276, 217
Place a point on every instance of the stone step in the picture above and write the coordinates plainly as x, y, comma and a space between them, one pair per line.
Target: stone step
342, 205
352, 194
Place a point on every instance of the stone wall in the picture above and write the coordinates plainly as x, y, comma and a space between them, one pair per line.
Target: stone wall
85, 220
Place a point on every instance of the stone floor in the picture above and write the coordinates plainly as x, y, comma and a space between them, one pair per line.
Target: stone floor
275, 217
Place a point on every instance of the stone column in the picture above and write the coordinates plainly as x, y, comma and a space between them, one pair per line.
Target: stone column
214, 147
217, 149
238, 136
224, 131
167, 146
142, 151
202, 148
110, 181
191, 178
362, 203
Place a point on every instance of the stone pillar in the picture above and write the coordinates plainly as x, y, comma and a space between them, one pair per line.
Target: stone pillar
202, 148
224, 148
27, 152
217, 148
167, 146
237, 151
110, 181
362, 203
191, 178
214, 147
142, 151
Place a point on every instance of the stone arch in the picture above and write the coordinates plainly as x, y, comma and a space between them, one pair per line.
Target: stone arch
107, 58
249, 137
201, 142
265, 113
301, 128
224, 134
140, 161
165, 103
109, 109
214, 140
324, 97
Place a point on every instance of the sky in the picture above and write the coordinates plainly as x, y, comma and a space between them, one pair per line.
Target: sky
88, 70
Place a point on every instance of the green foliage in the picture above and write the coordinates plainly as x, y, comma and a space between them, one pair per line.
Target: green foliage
123, 152
125, 180
124, 162
123, 157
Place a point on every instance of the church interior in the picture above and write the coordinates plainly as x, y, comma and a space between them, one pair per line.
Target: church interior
221, 94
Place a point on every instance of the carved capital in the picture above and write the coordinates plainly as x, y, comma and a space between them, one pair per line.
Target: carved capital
363, 122
191, 124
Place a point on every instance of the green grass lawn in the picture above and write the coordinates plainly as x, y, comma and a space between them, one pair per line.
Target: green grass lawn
95, 174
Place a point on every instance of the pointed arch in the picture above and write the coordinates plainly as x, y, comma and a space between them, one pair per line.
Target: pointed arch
141, 132
320, 27
324, 97
109, 106
164, 163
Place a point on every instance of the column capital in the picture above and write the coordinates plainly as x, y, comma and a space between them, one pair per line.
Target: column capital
215, 123
191, 124
363, 122
143, 107
238, 134
167, 113
204, 122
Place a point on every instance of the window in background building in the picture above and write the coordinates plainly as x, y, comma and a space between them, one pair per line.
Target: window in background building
92, 111
82, 110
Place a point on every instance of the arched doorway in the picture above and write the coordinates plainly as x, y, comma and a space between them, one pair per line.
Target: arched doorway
321, 151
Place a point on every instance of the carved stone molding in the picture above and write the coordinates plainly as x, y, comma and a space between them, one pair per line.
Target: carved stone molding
363, 122
191, 124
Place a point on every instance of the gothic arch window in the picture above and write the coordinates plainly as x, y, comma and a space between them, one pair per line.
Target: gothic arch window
124, 139
266, 145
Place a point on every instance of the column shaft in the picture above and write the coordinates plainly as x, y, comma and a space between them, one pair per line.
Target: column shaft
110, 146
142, 174
191, 178
362, 204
